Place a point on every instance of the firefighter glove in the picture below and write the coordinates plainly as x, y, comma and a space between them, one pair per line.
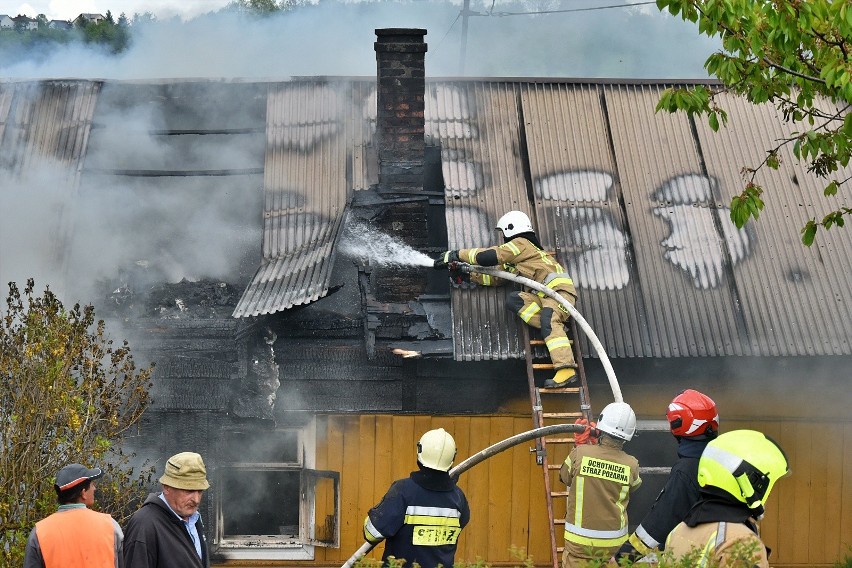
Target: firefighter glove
458, 277
586, 436
445, 259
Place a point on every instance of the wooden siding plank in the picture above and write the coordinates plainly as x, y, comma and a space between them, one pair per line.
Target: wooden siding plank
368, 493
461, 433
844, 489
351, 533
403, 453
800, 438
321, 460
500, 493
336, 435
382, 468
478, 489
818, 500
519, 507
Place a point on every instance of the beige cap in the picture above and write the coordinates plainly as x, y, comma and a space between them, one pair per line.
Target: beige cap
185, 471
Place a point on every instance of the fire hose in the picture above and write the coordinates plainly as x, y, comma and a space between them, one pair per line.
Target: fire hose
480, 457
581, 321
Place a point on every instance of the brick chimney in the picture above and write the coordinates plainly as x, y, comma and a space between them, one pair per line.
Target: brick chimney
401, 83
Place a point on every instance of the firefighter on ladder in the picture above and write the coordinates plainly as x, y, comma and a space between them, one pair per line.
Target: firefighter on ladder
736, 472
523, 254
600, 477
694, 422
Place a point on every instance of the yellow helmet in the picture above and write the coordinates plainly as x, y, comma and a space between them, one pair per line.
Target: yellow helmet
436, 449
744, 464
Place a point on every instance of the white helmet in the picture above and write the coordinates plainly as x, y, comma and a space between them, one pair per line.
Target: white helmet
514, 223
618, 420
436, 450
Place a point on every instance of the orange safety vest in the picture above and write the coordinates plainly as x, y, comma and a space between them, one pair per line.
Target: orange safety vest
77, 538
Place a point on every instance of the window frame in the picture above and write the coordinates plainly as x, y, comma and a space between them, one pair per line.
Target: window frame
267, 547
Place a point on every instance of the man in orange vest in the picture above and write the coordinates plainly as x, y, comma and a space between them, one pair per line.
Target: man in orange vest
75, 536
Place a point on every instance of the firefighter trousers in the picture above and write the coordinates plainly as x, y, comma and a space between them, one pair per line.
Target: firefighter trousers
550, 317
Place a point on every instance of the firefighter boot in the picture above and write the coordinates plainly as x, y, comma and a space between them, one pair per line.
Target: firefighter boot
562, 378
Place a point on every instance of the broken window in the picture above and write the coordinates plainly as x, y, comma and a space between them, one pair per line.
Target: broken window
269, 503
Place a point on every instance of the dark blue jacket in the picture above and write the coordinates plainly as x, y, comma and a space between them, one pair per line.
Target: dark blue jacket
420, 519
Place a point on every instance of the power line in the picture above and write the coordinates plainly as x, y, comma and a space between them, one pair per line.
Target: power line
501, 14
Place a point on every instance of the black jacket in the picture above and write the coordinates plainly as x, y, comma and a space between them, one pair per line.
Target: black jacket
156, 538
679, 494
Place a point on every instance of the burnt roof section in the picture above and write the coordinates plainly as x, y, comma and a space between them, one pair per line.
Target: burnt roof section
634, 202
315, 158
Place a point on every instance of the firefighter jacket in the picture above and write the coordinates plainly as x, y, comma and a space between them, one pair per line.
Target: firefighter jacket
600, 479
157, 538
522, 257
75, 537
420, 519
723, 543
679, 494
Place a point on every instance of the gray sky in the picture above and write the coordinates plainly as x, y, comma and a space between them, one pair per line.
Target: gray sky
552, 38
70, 9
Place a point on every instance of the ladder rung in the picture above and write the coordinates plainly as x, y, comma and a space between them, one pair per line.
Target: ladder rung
559, 549
559, 493
562, 414
563, 441
536, 342
542, 365
551, 466
558, 521
560, 390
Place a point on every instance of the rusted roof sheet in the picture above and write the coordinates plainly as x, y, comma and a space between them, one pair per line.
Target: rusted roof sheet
635, 203
314, 132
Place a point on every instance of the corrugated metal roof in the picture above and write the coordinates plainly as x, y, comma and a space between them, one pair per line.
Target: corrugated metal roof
476, 126
316, 132
46, 122
635, 203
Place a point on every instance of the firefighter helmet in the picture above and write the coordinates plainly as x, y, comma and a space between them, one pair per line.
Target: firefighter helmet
743, 464
514, 223
436, 449
691, 414
618, 420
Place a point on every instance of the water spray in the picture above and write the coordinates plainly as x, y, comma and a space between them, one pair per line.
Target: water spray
363, 242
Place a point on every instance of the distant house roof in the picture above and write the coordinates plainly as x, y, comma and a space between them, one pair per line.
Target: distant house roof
59, 24
91, 17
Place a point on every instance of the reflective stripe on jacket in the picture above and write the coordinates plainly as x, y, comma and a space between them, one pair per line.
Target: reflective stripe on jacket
419, 523
600, 480
520, 256
726, 544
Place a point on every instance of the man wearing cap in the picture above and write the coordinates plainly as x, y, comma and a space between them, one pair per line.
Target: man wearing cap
167, 532
75, 536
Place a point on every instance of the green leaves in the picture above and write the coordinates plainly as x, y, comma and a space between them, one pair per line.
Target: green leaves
746, 205
792, 54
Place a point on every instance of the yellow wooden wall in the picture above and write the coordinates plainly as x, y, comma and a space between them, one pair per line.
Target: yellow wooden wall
808, 520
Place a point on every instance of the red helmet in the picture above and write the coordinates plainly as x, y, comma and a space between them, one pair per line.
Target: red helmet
693, 414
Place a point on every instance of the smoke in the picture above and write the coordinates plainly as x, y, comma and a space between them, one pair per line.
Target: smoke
333, 38
365, 243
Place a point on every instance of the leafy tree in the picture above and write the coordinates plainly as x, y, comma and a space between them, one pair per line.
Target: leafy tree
794, 54
67, 394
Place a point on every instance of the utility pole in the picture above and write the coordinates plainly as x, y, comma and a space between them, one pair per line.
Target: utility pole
465, 14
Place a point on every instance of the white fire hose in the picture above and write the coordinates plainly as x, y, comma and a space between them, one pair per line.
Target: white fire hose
482, 456
584, 325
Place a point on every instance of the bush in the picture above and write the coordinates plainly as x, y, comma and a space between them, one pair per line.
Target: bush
67, 394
